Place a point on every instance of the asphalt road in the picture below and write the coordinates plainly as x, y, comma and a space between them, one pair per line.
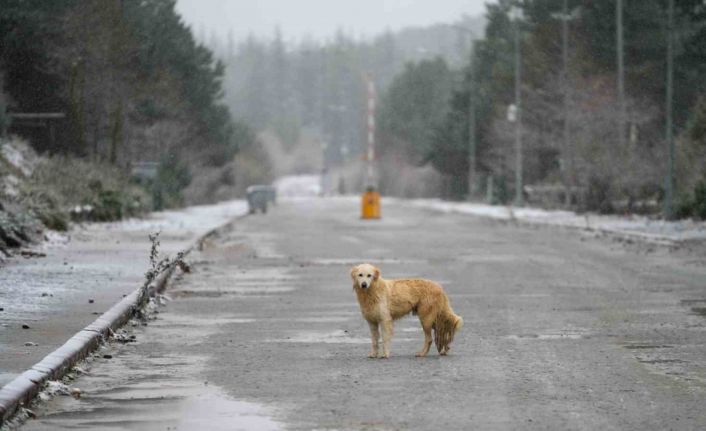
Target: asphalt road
561, 332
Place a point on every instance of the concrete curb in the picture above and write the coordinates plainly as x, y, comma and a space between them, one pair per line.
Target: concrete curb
22, 390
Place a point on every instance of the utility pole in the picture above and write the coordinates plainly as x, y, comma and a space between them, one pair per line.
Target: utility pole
669, 189
518, 106
621, 75
472, 134
472, 124
568, 152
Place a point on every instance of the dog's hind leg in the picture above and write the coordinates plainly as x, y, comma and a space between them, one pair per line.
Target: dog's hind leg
427, 324
375, 337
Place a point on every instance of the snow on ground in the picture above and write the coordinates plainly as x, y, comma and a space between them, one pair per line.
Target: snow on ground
298, 186
634, 226
197, 219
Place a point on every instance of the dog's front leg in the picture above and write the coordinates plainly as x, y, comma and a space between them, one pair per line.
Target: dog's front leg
386, 337
375, 336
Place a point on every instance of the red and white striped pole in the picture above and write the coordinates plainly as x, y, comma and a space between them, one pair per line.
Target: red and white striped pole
371, 129
370, 208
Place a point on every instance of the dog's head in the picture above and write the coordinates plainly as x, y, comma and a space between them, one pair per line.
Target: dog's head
364, 275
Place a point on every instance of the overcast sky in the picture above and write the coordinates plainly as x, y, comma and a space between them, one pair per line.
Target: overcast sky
319, 19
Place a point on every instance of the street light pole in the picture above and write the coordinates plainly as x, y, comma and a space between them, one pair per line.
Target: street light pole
621, 75
565, 82
518, 124
669, 189
472, 124
472, 134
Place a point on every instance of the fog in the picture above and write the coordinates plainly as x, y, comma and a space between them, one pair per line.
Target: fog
319, 19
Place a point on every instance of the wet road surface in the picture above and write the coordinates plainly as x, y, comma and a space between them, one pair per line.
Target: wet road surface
561, 332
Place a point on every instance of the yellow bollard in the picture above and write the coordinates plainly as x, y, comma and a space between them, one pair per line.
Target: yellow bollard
370, 204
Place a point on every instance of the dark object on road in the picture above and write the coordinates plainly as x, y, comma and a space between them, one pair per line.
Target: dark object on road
25, 326
90, 301
259, 196
108, 356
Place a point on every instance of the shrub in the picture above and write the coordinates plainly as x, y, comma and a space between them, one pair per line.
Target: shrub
101, 193
699, 209
598, 195
173, 177
693, 204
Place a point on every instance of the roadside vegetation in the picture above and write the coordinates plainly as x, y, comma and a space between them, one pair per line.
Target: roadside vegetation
110, 86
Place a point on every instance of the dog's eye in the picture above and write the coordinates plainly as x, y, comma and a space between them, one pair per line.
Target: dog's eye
368, 275
360, 275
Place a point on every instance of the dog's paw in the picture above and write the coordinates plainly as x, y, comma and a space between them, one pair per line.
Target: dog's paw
384, 356
420, 354
373, 355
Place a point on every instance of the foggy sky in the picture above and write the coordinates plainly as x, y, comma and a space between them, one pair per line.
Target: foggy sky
318, 19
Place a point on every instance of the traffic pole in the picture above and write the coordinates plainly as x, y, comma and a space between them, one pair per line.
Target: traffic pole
370, 205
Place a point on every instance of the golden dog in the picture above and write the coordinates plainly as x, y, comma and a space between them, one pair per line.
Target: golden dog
382, 301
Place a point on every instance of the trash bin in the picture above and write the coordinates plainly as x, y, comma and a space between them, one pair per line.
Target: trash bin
370, 205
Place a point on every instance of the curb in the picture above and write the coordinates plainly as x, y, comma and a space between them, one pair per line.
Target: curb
22, 390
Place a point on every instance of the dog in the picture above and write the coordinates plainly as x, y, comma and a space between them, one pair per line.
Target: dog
383, 301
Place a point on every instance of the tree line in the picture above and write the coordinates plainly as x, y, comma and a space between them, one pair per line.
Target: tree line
288, 86
592, 169
128, 76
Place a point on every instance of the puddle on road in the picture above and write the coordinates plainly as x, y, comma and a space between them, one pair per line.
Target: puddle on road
188, 405
688, 302
699, 311
696, 306
235, 291
161, 391
646, 346
338, 336
331, 319
487, 258
175, 319
558, 336
661, 361
214, 411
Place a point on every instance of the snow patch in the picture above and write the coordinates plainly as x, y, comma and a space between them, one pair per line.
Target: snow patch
197, 219
20, 155
640, 227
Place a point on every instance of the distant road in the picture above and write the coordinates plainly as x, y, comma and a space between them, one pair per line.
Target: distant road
560, 333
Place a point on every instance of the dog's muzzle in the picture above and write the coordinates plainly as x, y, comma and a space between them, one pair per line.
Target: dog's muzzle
364, 285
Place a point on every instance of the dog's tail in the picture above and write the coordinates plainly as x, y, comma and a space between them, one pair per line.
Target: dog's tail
446, 325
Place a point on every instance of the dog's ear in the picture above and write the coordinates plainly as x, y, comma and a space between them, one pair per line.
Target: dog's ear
377, 273
353, 271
